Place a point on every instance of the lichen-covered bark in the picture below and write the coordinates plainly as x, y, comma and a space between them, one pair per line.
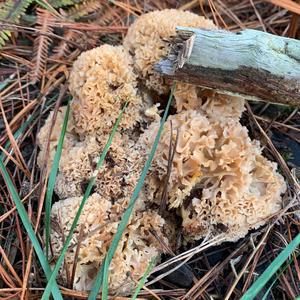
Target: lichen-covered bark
252, 63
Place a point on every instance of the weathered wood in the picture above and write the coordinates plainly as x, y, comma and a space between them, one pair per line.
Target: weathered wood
252, 63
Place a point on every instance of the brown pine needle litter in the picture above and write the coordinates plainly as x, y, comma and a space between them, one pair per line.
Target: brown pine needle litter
39, 42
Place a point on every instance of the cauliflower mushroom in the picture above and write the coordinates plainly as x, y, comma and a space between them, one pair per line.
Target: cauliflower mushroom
102, 81
69, 141
117, 176
94, 232
218, 179
217, 106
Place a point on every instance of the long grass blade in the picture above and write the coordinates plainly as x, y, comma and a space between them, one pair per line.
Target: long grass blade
60, 259
272, 269
103, 273
277, 277
52, 179
29, 229
143, 280
105, 281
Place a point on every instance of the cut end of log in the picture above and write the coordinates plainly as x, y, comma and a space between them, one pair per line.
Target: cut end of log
187, 39
180, 51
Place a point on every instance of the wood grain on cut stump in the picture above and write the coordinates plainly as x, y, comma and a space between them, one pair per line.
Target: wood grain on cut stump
256, 64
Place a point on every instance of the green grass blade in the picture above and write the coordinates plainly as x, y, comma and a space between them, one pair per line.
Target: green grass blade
277, 277
105, 281
143, 280
60, 259
272, 269
269, 289
28, 226
5, 83
103, 273
52, 179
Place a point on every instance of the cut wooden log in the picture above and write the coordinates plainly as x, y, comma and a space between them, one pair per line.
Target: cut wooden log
251, 63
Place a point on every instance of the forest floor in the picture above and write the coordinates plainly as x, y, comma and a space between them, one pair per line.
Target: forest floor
40, 40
